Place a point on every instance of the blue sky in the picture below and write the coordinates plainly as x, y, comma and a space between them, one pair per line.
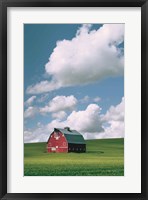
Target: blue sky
79, 66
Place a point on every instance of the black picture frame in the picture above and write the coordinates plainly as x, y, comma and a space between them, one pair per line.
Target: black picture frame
4, 4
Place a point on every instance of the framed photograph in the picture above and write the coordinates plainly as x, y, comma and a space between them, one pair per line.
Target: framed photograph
73, 100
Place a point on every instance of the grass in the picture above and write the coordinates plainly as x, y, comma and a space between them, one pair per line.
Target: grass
104, 157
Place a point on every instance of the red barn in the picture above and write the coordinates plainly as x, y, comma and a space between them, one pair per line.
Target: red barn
65, 140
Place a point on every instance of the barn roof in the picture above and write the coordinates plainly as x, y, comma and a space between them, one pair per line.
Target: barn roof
72, 136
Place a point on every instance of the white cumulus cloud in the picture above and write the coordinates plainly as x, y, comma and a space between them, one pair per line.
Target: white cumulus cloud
60, 103
43, 98
92, 55
89, 122
38, 134
86, 120
30, 112
30, 101
89, 99
97, 99
59, 115
115, 118
115, 113
85, 99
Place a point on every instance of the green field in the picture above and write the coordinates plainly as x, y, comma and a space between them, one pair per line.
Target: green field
104, 157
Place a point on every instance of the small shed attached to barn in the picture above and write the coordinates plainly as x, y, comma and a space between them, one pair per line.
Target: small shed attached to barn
65, 140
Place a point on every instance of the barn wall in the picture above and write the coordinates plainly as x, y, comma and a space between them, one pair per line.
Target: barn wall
76, 147
57, 143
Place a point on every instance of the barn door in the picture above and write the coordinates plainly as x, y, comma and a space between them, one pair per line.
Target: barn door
53, 149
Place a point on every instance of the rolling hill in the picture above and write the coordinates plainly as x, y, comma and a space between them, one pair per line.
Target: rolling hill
103, 157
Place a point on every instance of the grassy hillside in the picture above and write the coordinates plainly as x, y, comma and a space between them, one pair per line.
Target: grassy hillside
104, 157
